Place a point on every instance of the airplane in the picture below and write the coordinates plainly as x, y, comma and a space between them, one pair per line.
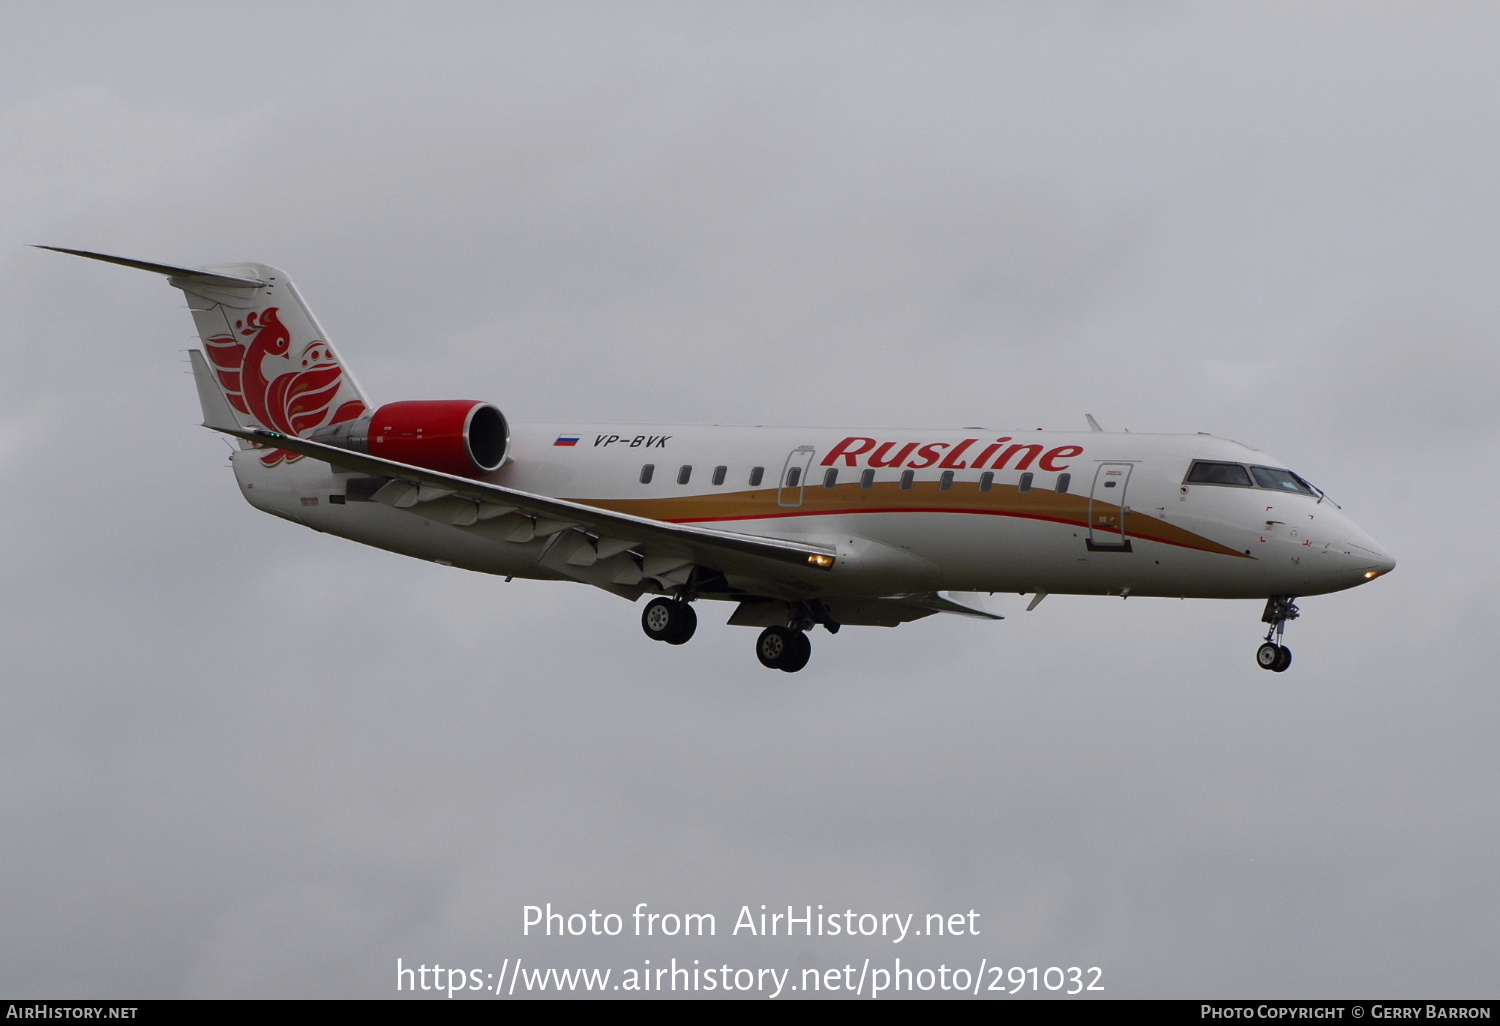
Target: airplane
798, 527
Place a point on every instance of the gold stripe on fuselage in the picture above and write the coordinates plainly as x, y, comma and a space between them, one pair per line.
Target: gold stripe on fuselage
890, 497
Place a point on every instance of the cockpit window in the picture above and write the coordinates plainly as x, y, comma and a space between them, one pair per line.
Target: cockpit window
1206, 472
1273, 478
1282, 480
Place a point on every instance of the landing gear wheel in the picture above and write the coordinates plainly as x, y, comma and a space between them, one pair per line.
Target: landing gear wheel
788, 648
687, 624
797, 656
668, 620
772, 646
781, 648
1273, 657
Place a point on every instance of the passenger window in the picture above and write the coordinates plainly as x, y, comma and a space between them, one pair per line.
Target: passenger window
867, 479
1026, 479
719, 473
684, 473
1063, 481
756, 474
906, 477
646, 473
946, 481
831, 477
793, 475
986, 481
1205, 472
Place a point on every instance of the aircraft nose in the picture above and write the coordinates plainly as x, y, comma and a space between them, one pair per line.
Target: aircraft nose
1373, 561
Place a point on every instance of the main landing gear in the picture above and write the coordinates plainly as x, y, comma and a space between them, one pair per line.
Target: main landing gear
788, 648
1273, 655
669, 620
781, 648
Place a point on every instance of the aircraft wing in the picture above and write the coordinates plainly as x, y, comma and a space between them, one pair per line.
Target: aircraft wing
618, 531
597, 540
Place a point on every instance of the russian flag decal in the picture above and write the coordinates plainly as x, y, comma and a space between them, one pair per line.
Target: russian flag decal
566, 440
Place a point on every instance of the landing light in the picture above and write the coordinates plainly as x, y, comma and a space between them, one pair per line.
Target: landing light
819, 560
1370, 575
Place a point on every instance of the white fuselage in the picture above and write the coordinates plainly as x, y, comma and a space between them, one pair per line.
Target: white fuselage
906, 510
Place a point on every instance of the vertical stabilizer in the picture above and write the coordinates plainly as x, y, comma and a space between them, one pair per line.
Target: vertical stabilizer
269, 354
263, 348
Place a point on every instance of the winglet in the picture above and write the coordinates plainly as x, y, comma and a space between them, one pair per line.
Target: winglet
1093, 424
191, 274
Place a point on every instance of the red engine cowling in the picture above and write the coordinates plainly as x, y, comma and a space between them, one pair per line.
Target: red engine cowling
454, 436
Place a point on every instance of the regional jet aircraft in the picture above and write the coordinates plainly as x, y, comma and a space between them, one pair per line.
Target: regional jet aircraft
797, 527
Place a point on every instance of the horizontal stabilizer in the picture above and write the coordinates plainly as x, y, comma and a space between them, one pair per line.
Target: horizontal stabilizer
191, 274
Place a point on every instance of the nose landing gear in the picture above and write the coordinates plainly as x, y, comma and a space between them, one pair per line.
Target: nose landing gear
1273, 655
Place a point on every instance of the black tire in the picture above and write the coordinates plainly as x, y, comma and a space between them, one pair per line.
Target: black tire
687, 623
668, 620
657, 619
772, 646
797, 656
1268, 655
1283, 659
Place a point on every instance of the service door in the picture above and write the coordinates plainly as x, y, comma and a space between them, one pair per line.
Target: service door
794, 476
1107, 507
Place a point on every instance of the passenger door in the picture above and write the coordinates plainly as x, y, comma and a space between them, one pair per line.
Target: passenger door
1107, 508
794, 476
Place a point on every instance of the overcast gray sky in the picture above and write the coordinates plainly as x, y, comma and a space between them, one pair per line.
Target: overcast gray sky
241, 758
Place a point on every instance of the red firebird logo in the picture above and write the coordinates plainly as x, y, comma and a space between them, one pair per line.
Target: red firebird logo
292, 399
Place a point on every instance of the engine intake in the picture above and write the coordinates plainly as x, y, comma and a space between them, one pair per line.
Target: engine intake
453, 436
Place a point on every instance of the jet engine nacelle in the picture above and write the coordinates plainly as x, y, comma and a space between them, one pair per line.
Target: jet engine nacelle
454, 436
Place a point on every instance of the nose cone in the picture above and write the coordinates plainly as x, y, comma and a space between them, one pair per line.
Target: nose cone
1386, 565
1366, 556
1336, 553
